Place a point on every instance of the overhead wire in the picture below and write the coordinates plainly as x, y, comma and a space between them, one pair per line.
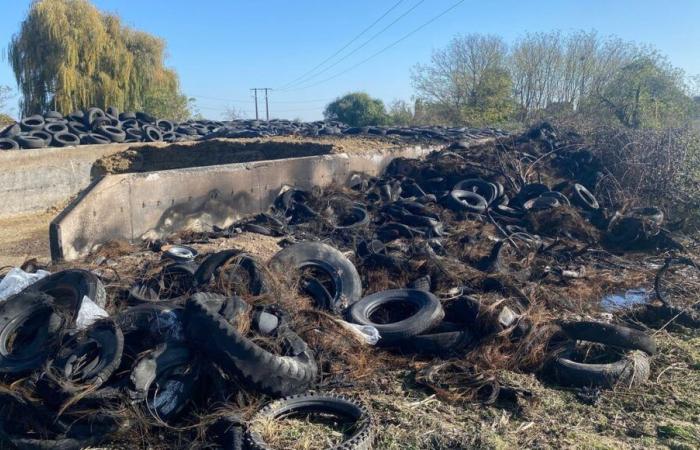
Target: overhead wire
344, 46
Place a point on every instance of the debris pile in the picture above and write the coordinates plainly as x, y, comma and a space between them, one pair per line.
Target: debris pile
468, 263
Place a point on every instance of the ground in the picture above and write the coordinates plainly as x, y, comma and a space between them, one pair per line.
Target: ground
25, 236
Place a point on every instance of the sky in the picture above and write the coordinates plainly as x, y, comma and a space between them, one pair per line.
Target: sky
223, 48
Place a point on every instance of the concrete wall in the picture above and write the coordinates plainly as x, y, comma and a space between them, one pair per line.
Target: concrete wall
35, 180
149, 205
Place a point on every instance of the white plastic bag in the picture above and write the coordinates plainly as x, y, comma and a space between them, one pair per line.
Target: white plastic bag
17, 279
364, 333
89, 313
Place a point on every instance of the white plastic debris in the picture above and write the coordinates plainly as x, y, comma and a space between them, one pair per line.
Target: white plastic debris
17, 279
364, 333
89, 313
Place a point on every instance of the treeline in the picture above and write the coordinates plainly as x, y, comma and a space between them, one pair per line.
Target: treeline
481, 80
68, 55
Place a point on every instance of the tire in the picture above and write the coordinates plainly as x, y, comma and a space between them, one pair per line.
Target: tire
127, 115
584, 198
631, 370
342, 272
77, 128
11, 131
94, 139
60, 374
165, 126
152, 134
43, 135
327, 404
32, 123
65, 140
488, 191
30, 142
467, 201
169, 362
651, 214
257, 281
561, 198
134, 133
670, 298
91, 116
257, 368
55, 128
428, 312
150, 324
114, 134
8, 144
610, 334
68, 287
145, 117
53, 115
16, 314
541, 203
112, 112
443, 344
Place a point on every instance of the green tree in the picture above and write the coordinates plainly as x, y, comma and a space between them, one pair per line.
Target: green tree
647, 93
68, 55
356, 109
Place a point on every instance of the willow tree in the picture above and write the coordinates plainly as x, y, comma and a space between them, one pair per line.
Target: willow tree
68, 55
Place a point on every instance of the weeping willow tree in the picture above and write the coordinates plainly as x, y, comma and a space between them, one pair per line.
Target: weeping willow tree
68, 55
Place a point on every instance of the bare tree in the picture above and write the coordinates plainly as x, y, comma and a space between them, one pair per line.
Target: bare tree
454, 79
233, 113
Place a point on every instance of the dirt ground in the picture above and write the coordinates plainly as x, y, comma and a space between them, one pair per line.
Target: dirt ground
25, 236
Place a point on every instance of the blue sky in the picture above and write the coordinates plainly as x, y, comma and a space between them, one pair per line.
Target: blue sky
221, 48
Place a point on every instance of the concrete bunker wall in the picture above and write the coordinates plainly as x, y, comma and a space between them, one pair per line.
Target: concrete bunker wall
141, 205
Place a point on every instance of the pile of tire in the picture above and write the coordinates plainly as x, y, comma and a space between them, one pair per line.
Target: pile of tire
96, 126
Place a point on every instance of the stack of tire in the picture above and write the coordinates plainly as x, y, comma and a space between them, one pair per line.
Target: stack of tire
95, 126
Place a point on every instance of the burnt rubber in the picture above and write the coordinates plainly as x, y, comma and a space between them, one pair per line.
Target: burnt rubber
360, 438
256, 367
658, 280
30, 328
85, 360
427, 312
213, 268
168, 364
346, 281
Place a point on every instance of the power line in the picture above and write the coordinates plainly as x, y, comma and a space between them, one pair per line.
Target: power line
393, 44
356, 49
343, 47
228, 100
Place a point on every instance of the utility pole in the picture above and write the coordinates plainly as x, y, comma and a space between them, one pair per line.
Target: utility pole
267, 104
267, 108
255, 90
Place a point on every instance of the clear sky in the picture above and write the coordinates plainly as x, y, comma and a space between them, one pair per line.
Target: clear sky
222, 48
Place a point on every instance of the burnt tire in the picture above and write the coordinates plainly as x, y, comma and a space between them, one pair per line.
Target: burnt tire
85, 360
360, 438
68, 287
209, 269
426, 313
169, 363
346, 281
29, 320
256, 367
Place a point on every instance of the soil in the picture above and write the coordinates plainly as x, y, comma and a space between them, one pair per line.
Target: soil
24, 237
227, 151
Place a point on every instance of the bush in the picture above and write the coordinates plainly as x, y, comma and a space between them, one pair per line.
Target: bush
357, 109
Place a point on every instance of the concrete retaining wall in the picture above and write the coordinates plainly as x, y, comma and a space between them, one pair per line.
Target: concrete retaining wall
140, 205
35, 180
